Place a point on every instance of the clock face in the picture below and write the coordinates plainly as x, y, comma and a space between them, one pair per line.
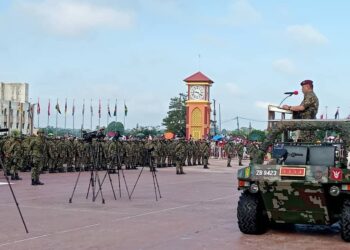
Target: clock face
197, 92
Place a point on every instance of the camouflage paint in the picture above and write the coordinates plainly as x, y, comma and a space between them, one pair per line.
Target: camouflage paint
294, 199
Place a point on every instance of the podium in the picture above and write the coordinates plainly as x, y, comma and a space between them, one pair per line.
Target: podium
272, 110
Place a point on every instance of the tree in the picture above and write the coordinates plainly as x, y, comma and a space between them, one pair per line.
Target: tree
115, 126
176, 117
257, 135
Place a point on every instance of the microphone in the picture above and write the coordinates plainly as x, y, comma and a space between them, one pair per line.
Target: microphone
292, 93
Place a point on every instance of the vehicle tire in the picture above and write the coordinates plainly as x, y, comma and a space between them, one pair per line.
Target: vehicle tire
251, 214
345, 221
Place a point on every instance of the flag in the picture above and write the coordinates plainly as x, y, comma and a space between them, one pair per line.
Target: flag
58, 108
115, 108
336, 116
48, 109
348, 117
83, 111
321, 117
65, 107
108, 110
73, 108
125, 110
91, 110
38, 107
99, 108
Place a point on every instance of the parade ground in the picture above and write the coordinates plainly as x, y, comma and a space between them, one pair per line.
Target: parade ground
196, 211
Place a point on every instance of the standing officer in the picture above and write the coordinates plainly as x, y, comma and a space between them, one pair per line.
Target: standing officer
309, 106
37, 149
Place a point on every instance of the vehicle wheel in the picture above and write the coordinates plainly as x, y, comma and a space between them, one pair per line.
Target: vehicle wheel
345, 221
251, 214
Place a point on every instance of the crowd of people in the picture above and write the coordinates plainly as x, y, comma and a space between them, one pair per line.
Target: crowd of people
40, 153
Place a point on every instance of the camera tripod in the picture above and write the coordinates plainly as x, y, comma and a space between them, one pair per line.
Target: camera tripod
118, 170
154, 178
13, 194
94, 177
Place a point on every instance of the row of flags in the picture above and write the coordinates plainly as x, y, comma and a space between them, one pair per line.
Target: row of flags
57, 107
336, 115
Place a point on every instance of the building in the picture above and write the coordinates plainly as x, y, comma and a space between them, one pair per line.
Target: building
16, 111
198, 106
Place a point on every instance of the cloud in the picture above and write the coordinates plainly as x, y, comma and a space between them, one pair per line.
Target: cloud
285, 66
233, 89
306, 34
243, 13
75, 18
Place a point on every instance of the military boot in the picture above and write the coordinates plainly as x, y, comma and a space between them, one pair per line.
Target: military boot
206, 167
13, 177
17, 178
229, 165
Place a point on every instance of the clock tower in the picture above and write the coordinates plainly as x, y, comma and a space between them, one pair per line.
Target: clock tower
198, 106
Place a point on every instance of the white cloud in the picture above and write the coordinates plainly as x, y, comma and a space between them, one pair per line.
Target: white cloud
243, 13
233, 89
306, 34
74, 18
285, 66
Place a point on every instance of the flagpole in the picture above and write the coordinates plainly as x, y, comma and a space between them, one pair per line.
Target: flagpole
37, 112
124, 115
65, 115
99, 113
56, 116
91, 114
73, 109
116, 110
82, 124
48, 114
108, 112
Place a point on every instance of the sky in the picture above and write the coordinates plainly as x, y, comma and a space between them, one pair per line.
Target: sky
140, 51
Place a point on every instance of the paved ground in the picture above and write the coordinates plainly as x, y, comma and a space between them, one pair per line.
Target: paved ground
197, 211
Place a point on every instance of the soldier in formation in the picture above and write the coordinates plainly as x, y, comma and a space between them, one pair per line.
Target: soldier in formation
38, 153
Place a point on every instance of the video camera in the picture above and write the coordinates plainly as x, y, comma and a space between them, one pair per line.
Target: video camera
88, 136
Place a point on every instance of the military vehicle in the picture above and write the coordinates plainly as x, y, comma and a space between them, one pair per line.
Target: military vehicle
304, 183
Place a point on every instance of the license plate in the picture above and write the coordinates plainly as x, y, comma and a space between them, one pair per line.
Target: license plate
288, 171
266, 172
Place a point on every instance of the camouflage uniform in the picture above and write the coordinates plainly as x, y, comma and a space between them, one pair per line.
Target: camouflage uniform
37, 149
228, 150
239, 148
13, 157
180, 149
310, 103
204, 147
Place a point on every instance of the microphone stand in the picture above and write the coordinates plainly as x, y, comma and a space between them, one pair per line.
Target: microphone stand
284, 99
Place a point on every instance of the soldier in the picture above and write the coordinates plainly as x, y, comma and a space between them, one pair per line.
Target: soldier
204, 146
239, 148
37, 149
229, 151
306, 110
13, 156
309, 106
180, 155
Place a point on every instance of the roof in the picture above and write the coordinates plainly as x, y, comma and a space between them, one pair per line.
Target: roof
198, 77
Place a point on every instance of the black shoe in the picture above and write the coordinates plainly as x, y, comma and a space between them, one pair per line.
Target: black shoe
39, 182
229, 166
240, 164
182, 173
33, 182
206, 167
17, 178
13, 177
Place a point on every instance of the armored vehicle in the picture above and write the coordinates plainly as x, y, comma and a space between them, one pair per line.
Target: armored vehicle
304, 183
